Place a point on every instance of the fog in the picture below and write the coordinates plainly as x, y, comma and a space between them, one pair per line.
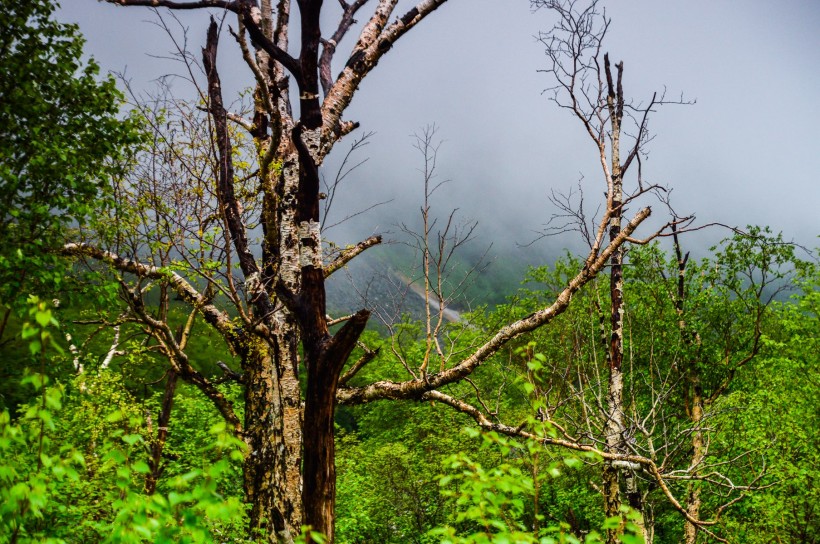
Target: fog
747, 152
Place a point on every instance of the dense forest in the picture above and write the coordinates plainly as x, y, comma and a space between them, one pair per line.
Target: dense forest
184, 358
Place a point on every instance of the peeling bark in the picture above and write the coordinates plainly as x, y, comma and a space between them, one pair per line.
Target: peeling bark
615, 426
273, 426
614, 417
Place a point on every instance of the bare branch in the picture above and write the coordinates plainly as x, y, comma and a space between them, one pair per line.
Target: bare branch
351, 253
375, 39
369, 355
220, 320
231, 5
329, 45
415, 388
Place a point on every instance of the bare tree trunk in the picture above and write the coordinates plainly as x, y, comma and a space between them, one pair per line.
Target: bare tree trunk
273, 424
695, 398
634, 498
324, 355
158, 445
610, 480
324, 366
614, 427
693, 500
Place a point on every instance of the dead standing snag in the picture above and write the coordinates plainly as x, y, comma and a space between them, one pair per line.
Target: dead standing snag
279, 298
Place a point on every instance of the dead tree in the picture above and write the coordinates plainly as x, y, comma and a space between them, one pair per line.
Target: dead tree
277, 293
587, 84
589, 87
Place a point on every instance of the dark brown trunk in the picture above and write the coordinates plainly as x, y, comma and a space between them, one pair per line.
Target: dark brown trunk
325, 355
158, 445
309, 105
325, 360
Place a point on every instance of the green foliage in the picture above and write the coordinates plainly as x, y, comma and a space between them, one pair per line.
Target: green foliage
388, 469
731, 338
33, 467
73, 462
499, 505
771, 413
315, 537
190, 440
185, 514
81, 478
61, 140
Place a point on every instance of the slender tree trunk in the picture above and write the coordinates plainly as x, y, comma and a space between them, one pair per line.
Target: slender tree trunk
634, 498
611, 474
614, 427
696, 400
158, 445
693, 500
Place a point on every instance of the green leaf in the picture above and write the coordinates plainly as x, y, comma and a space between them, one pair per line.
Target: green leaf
43, 317
35, 347
175, 498
573, 462
131, 439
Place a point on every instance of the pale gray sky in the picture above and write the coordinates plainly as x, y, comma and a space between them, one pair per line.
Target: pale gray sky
747, 152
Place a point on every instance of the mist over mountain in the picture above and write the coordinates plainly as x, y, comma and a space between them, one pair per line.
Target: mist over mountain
389, 278
744, 153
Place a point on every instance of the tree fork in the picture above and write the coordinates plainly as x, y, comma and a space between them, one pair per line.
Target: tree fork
325, 360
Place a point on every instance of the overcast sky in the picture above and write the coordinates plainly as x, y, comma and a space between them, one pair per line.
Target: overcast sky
747, 152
